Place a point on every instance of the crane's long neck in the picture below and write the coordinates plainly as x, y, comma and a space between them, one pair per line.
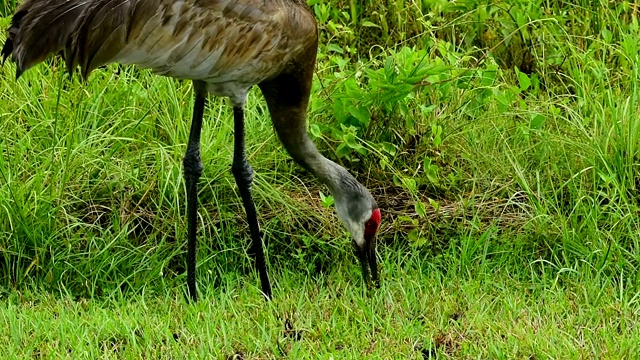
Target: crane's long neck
290, 125
287, 97
339, 181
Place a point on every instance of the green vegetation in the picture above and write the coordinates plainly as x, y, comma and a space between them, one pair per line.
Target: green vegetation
501, 140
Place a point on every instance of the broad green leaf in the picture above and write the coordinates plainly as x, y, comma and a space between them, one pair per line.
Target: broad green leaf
326, 201
410, 184
426, 163
537, 121
314, 129
488, 77
397, 181
524, 80
367, 23
389, 148
342, 150
350, 140
607, 36
420, 208
335, 48
434, 204
360, 113
535, 81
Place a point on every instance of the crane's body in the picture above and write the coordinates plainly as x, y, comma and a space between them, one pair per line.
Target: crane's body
225, 47
230, 45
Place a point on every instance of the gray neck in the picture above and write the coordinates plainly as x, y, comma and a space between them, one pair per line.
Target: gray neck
339, 181
353, 202
287, 96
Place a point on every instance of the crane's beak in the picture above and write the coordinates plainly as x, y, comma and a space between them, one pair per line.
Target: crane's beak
368, 261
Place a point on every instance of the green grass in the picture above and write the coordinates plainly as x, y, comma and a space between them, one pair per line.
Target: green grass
438, 309
501, 142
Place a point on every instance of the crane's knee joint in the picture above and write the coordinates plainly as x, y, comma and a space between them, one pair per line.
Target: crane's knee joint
192, 164
242, 172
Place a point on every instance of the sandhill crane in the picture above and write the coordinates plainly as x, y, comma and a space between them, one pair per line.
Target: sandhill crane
225, 47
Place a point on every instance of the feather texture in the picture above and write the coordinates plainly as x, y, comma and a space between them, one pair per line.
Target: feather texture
40, 28
229, 44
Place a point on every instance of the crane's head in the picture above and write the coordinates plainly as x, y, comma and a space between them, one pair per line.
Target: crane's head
361, 215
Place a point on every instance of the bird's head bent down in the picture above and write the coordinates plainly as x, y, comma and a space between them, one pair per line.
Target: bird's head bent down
361, 215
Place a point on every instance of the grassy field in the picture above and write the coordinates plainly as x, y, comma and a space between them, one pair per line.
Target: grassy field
501, 141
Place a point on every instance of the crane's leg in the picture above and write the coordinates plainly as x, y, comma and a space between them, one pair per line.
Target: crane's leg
192, 171
243, 174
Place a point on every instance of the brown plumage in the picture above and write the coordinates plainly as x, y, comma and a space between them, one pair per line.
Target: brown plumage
225, 47
215, 41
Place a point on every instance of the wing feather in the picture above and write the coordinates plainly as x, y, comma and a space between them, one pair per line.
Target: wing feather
218, 41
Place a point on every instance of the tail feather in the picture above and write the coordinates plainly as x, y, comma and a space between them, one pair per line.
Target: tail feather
39, 29
101, 34
88, 33
7, 48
